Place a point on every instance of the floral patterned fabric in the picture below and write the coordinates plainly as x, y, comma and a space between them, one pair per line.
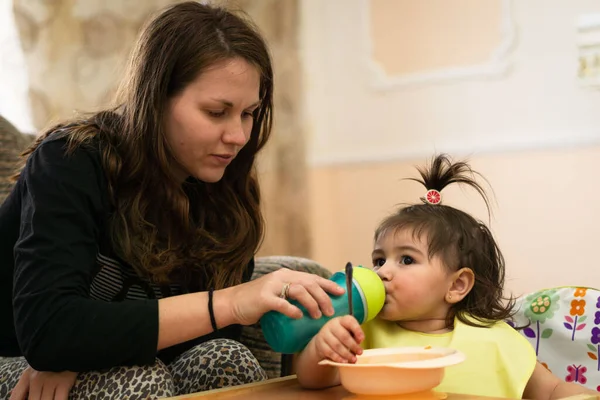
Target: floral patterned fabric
563, 326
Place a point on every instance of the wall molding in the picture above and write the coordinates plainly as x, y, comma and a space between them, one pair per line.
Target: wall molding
588, 44
387, 154
497, 65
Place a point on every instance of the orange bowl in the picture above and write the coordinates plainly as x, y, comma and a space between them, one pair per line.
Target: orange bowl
400, 370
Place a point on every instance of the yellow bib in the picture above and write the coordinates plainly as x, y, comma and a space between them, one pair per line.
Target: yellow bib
499, 361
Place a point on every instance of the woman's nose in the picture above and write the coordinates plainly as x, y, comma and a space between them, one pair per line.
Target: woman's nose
235, 134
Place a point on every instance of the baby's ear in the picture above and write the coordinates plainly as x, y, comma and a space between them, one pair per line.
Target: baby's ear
462, 283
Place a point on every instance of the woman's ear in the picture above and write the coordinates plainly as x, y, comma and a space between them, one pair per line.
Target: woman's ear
462, 282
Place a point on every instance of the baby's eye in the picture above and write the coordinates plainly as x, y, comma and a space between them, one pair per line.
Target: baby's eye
378, 262
406, 260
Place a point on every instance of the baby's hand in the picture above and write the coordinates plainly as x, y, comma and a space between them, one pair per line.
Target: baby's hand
339, 340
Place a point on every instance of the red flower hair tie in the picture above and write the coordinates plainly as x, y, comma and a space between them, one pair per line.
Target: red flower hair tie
433, 197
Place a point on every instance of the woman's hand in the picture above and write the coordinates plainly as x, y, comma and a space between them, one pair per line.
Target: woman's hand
253, 299
36, 385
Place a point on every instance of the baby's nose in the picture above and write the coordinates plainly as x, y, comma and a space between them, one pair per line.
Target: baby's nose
383, 273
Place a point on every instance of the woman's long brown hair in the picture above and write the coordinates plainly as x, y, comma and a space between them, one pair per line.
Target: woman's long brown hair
168, 232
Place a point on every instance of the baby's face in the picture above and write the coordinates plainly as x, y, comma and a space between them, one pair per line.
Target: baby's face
415, 285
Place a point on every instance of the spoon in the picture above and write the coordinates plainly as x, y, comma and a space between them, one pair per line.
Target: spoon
349, 285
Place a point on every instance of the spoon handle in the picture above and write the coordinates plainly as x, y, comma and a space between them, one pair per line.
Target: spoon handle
349, 286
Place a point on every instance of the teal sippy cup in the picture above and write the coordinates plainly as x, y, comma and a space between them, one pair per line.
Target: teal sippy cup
287, 335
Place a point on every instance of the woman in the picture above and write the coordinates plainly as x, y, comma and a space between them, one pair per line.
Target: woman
128, 241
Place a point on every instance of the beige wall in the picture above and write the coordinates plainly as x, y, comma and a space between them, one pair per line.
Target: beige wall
521, 117
546, 220
434, 33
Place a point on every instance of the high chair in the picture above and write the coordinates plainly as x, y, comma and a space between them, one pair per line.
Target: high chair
563, 326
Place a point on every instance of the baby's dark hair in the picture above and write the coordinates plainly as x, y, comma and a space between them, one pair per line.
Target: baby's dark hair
460, 240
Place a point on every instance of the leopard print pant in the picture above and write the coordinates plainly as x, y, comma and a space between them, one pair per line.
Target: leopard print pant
211, 365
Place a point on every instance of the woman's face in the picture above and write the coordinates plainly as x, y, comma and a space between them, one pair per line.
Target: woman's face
209, 122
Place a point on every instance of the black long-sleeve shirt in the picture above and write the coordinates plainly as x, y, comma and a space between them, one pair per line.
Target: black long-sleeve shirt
67, 302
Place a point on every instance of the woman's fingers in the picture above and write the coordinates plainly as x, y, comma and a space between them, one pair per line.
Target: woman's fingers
319, 289
285, 307
311, 291
48, 391
328, 285
322, 299
21, 389
62, 392
264, 295
300, 293
36, 385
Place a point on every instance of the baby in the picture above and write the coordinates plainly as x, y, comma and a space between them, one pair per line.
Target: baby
443, 274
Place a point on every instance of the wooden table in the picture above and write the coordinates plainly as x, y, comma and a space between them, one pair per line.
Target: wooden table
288, 389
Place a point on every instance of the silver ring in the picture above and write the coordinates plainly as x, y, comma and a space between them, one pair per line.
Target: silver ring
285, 290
